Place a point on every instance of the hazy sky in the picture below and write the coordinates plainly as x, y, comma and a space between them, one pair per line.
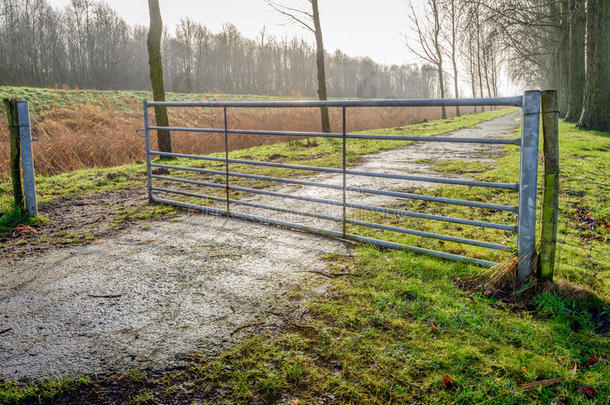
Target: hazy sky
358, 27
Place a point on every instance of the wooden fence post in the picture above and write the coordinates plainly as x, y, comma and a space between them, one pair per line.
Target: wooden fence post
15, 152
550, 199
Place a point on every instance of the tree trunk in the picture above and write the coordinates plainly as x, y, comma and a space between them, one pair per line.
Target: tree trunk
322, 95
486, 70
156, 74
576, 68
439, 55
473, 80
442, 88
479, 58
453, 56
456, 86
564, 61
596, 105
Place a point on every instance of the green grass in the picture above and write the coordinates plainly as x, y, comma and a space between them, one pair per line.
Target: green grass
13, 217
42, 99
462, 167
584, 157
391, 332
47, 391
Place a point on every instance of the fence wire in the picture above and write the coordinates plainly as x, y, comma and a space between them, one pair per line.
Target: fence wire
584, 224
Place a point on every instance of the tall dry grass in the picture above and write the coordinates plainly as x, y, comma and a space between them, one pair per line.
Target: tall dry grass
93, 136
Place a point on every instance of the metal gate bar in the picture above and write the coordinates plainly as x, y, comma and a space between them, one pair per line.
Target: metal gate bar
426, 179
481, 224
501, 141
526, 187
350, 205
475, 204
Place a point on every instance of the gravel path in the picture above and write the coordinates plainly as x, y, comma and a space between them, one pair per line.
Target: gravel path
161, 290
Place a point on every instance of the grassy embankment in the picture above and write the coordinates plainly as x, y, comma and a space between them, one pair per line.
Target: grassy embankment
393, 331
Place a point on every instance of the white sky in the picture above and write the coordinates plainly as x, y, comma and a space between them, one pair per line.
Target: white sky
357, 27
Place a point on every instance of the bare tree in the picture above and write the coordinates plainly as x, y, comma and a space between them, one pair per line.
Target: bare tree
156, 74
543, 42
427, 42
306, 19
453, 14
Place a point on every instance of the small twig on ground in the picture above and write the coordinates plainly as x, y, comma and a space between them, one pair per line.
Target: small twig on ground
543, 383
392, 376
106, 296
528, 387
2, 332
301, 326
331, 275
295, 324
249, 325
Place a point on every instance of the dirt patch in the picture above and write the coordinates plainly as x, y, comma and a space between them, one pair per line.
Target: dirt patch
79, 220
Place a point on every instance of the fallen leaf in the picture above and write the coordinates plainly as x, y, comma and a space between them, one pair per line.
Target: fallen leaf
487, 293
591, 362
448, 382
587, 391
23, 230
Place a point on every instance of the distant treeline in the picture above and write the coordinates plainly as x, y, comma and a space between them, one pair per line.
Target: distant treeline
87, 44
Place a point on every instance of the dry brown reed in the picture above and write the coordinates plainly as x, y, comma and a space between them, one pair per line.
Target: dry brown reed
93, 136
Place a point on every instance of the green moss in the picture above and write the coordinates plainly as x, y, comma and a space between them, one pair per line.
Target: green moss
45, 392
462, 167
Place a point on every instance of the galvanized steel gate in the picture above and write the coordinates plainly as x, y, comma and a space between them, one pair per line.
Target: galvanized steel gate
526, 209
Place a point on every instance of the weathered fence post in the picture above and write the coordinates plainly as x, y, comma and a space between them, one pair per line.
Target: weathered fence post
27, 158
18, 115
550, 199
15, 152
528, 178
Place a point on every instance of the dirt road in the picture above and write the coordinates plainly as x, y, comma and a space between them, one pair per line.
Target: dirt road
144, 297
